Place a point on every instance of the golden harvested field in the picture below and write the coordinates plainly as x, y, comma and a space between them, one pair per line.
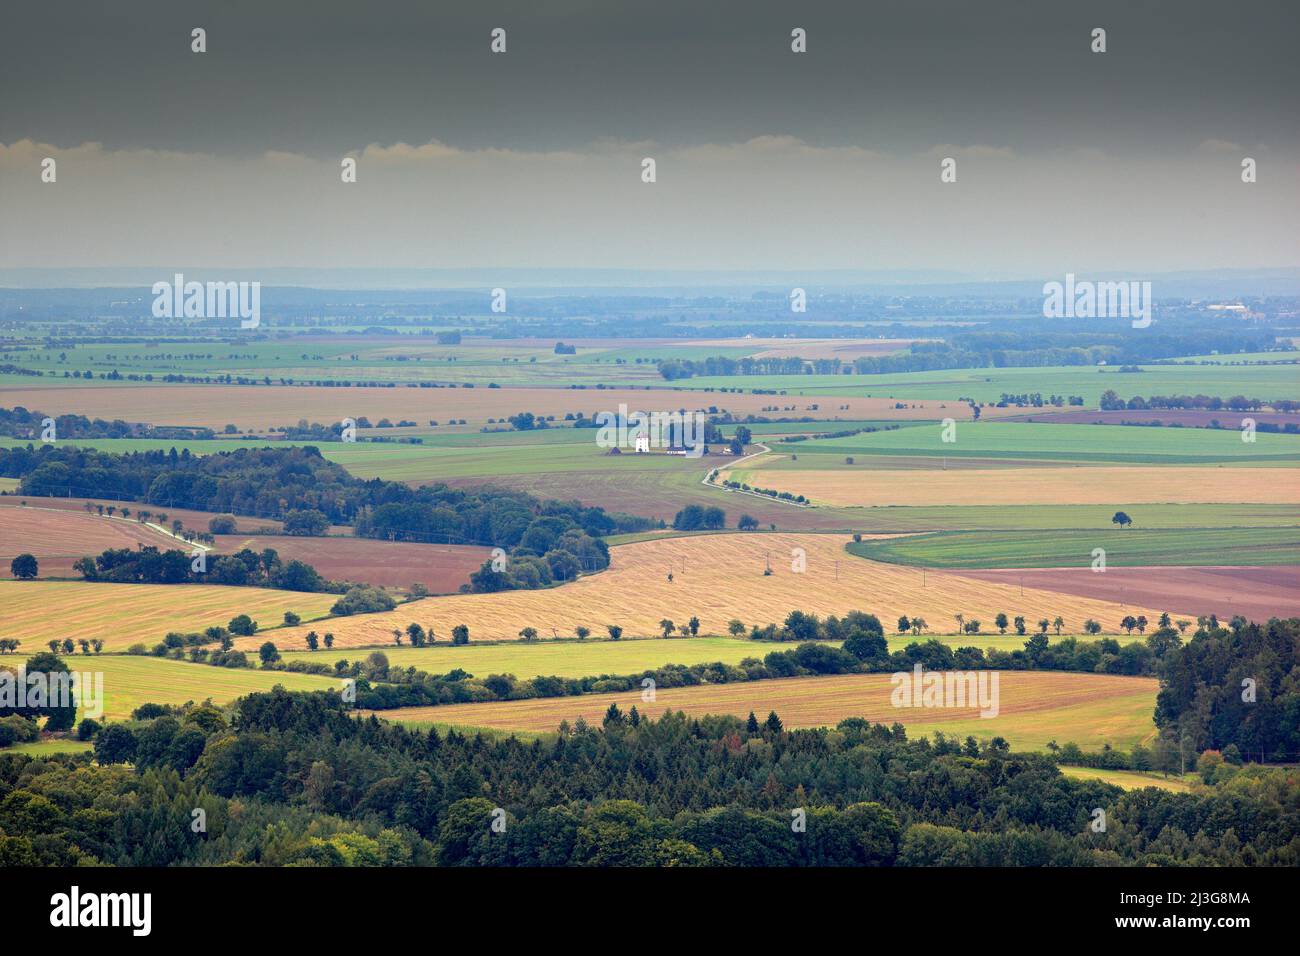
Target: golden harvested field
122, 614
718, 578
262, 407
1079, 485
1033, 707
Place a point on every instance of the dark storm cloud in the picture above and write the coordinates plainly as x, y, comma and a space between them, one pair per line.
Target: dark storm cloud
327, 76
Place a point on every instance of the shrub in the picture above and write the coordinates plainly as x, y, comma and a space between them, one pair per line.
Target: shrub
363, 599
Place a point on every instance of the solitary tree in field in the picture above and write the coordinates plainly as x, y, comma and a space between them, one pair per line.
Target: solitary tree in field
1001, 622
329, 639
1091, 627
615, 632
1142, 623
961, 621
1129, 623
313, 641
694, 625
68, 646
735, 627
416, 634
667, 626
1043, 625
97, 644
85, 645
529, 634
1121, 519
582, 632
53, 646
397, 636
24, 567
1020, 624
918, 625
904, 625
1058, 623
460, 634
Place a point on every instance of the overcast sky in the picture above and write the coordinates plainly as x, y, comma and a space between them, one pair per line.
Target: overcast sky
766, 159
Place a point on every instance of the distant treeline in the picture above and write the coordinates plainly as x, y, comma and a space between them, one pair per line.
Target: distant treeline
987, 350
19, 422
1110, 401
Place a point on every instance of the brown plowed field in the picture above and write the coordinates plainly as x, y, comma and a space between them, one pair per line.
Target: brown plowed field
59, 537
263, 407
398, 564
1033, 707
1256, 593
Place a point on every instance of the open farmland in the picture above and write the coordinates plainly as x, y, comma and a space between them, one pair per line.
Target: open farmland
265, 407
1120, 485
130, 681
1033, 708
123, 614
441, 568
59, 537
717, 578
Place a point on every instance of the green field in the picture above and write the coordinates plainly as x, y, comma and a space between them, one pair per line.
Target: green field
50, 746
1180, 547
130, 681
592, 658
988, 385
1038, 441
1130, 779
